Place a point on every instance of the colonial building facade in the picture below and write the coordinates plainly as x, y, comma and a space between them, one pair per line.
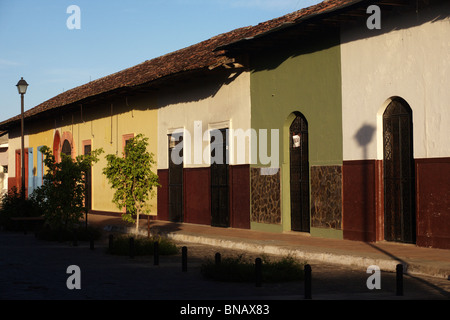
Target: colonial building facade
312, 122
396, 130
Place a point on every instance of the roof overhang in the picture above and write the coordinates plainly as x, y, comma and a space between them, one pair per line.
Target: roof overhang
310, 25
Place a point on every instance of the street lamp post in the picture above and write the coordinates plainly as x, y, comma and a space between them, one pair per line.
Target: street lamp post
22, 86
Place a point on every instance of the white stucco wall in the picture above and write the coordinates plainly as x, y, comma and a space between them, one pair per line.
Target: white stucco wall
208, 104
410, 58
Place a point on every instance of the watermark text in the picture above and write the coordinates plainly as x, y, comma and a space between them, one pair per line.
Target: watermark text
74, 20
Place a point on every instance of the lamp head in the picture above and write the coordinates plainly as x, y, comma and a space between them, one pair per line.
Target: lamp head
22, 86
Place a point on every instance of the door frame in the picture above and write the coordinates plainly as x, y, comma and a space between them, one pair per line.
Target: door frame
305, 211
175, 217
382, 206
221, 221
287, 176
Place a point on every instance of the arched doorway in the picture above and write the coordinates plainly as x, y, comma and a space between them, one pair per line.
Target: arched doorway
299, 174
56, 146
398, 172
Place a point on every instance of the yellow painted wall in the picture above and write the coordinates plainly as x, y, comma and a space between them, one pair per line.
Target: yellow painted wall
104, 125
40, 136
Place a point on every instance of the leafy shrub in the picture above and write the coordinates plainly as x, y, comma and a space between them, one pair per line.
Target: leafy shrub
285, 269
13, 205
142, 246
132, 178
237, 269
63, 190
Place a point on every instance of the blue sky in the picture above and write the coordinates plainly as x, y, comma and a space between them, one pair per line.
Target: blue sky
36, 44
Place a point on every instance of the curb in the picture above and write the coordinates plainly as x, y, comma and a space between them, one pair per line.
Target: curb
349, 260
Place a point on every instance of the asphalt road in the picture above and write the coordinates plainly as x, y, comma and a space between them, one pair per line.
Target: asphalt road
32, 269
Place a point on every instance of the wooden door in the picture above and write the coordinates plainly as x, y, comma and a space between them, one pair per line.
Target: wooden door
219, 179
299, 174
399, 209
176, 178
19, 179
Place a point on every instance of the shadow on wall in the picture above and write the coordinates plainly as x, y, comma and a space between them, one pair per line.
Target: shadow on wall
271, 59
393, 18
196, 89
364, 136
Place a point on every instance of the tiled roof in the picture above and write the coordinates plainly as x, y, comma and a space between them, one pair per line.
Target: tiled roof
198, 56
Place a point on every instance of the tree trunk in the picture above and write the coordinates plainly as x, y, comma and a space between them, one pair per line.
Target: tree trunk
137, 222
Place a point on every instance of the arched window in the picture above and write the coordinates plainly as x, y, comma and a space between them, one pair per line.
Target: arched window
66, 148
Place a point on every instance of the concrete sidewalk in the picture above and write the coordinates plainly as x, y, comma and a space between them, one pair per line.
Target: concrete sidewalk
386, 255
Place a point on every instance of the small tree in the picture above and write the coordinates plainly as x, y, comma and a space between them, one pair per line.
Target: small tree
132, 178
63, 190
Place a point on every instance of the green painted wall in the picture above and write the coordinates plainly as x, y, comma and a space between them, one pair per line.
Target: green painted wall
308, 81
305, 80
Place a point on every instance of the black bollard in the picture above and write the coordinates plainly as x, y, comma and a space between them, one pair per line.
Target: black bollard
111, 243
258, 271
307, 281
131, 249
399, 279
184, 259
217, 258
92, 243
156, 253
